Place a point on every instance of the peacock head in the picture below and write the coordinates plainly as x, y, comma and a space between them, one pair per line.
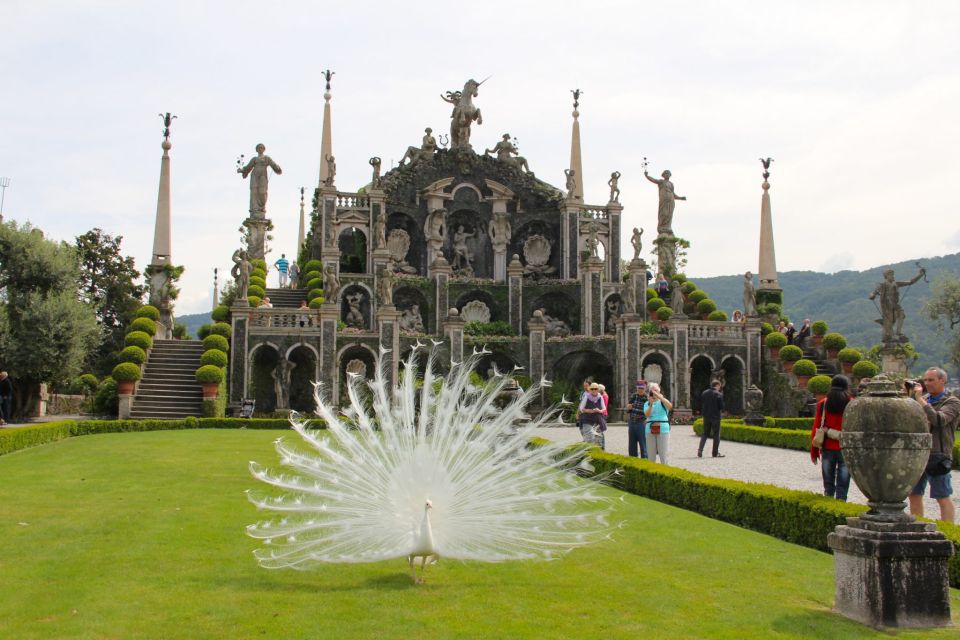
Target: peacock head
428, 505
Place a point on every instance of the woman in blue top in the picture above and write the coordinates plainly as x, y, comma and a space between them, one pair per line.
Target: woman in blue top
657, 410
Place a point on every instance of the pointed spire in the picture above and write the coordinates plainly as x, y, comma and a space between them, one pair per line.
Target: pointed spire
301, 235
161, 232
576, 164
326, 141
768, 258
216, 289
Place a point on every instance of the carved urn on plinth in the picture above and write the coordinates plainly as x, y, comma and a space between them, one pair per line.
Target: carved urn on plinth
754, 400
890, 570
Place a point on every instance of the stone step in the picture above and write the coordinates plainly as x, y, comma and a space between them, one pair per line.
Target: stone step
169, 388
163, 415
165, 405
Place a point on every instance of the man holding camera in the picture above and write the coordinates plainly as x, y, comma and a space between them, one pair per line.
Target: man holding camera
943, 413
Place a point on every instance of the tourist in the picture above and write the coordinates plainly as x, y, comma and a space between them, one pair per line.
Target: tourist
657, 410
592, 423
782, 327
663, 287
829, 414
636, 422
606, 401
282, 264
711, 407
737, 316
303, 319
942, 409
294, 273
790, 332
804, 333
6, 398
266, 304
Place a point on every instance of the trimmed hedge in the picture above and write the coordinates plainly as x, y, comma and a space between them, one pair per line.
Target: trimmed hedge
790, 353
258, 281
216, 342
706, 306
254, 301
766, 329
258, 273
696, 296
315, 283
316, 303
313, 265
819, 384
654, 303
819, 327
804, 367
126, 372
138, 339
834, 341
221, 329
664, 313
146, 325
688, 287
259, 263
215, 357
221, 313
308, 276
254, 290
849, 355
316, 292
148, 311
652, 293
775, 340
209, 373
136, 355
865, 369
736, 431
718, 316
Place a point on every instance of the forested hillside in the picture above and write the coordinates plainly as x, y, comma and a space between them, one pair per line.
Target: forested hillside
842, 300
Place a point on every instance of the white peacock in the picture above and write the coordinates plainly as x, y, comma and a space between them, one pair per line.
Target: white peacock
438, 471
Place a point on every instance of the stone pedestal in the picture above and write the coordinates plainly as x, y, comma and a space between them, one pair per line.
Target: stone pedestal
126, 406
891, 574
614, 211
440, 271
256, 237
453, 332
240, 321
637, 281
329, 315
628, 354
515, 293
893, 360
679, 331
666, 255
538, 334
388, 323
591, 315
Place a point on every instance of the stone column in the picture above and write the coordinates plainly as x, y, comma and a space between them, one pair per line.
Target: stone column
240, 321
538, 334
614, 211
388, 321
330, 253
638, 282
628, 353
754, 351
499, 249
453, 331
440, 272
591, 314
515, 292
256, 237
377, 210
679, 331
570, 239
329, 369
125, 406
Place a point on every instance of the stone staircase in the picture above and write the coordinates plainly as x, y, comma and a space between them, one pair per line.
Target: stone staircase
169, 388
286, 298
824, 368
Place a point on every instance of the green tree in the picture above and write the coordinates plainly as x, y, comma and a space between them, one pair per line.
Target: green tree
943, 309
45, 331
108, 283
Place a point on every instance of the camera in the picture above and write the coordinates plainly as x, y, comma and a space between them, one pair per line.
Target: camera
909, 384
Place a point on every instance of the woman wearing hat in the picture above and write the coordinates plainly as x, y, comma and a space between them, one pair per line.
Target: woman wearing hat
592, 424
657, 410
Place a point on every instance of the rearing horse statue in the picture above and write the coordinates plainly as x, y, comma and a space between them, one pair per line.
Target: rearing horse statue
464, 113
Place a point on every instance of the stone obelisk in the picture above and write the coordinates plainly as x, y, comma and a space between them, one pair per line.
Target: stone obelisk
576, 162
301, 234
160, 267
769, 290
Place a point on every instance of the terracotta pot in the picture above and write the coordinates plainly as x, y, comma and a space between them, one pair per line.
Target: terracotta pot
802, 381
847, 368
820, 396
832, 353
125, 387
788, 366
775, 353
818, 340
210, 389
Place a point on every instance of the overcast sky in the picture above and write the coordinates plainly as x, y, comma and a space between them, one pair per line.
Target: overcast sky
857, 102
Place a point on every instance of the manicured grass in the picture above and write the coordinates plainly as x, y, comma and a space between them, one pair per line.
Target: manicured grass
140, 535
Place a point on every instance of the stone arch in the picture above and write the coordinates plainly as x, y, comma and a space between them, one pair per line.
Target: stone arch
701, 370
303, 376
572, 368
561, 306
405, 297
350, 352
496, 313
611, 313
665, 362
466, 185
735, 376
263, 359
416, 255
352, 243
366, 304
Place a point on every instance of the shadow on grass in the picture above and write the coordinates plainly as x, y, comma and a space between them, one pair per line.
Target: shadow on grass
311, 582
821, 623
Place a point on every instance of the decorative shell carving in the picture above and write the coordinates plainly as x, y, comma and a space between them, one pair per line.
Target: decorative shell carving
398, 244
653, 373
359, 367
536, 250
475, 311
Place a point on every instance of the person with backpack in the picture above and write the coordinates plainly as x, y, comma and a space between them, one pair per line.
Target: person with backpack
825, 446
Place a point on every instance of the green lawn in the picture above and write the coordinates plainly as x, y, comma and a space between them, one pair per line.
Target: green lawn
141, 535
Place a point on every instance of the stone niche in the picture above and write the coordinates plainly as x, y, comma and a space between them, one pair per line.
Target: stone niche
537, 229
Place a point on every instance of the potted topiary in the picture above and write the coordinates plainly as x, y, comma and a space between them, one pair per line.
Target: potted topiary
221, 313
146, 325
254, 301
789, 355
221, 329
833, 343
848, 356
775, 341
126, 374
818, 386
652, 305
316, 303
216, 342
718, 316
819, 329
804, 369
138, 339
215, 357
706, 307
865, 369
697, 295
315, 293
254, 290
210, 376
133, 354
148, 311
315, 283
663, 314
766, 329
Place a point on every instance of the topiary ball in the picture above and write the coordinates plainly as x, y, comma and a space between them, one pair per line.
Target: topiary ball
126, 372
697, 295
791, 353
775, 340
314, 293
209, 374
849, 355
865, 369
215, 357
258, 281
817, 384
313, 265
316, 302
146, 325
133, 354
688, 287
766, 329
664, 313
254, 301
221, 313
221, 329
216, 342
706, 306
138, 339
804, 367
718, 316
834, 341
654, 303
259, 263
89, 382
819, 327
652, 293
315, 283
254, 290
148, 311
258, 273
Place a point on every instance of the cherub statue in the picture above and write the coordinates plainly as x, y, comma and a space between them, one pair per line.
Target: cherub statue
571, 182
635, 240
331, 283
613, 183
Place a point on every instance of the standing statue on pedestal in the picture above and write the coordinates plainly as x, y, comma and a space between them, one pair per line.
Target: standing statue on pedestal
676, 300
331, 283
635, 240
464, 113
668, 200
571, 182
281, 382
435, 228
331, 171
499, 230
379, 233
629, 296
614, 184
375, 180
425, 152
385, 288
461, 252
749, 296
241, 273
892, 315
257, 170
506, 150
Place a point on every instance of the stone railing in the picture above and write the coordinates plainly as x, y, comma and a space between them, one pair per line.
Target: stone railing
591, 212
285, 319
352, 201
705, 330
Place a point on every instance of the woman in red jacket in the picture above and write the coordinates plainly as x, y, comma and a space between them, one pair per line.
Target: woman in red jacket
836, 475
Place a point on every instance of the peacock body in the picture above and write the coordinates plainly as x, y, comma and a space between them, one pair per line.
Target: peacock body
440, 470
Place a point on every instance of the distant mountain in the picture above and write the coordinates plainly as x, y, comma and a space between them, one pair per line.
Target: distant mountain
194, 322
841, 299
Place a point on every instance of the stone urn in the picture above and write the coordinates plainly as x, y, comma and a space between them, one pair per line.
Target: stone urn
753, 397
885, 444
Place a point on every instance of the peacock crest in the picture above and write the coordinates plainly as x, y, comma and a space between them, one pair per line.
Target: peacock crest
439, 470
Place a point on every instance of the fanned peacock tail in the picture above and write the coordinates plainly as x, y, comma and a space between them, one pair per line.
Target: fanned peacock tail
356, 493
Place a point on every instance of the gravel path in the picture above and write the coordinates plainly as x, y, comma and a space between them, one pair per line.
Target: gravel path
748, 462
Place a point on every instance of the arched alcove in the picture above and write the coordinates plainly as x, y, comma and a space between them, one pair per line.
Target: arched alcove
406, 298
263, 361
416, 255
360, 297
353, 250
649, 362
562, 307
570, 371
496, 313
302, 377
733, 385
701, 368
